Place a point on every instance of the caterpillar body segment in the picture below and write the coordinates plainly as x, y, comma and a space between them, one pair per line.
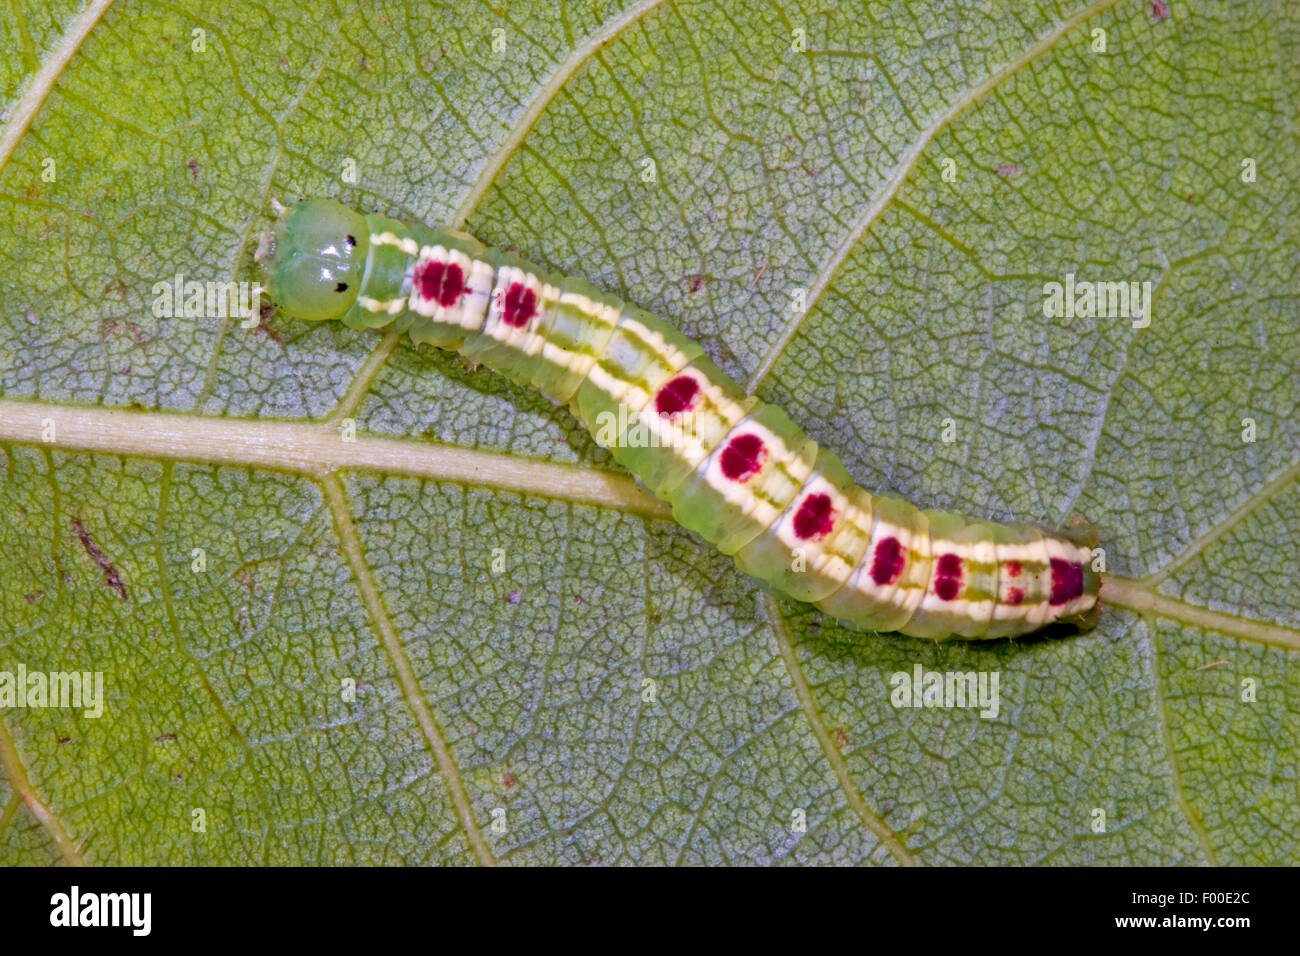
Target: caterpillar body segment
734, 469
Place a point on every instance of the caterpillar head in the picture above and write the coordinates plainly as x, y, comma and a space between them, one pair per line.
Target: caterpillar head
317, 259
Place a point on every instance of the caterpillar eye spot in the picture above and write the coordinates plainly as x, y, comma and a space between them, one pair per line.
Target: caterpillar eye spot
341, 287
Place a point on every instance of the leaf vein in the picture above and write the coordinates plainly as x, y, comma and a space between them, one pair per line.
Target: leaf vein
908, 160
12, 765
33, 98
350, 542
839, 767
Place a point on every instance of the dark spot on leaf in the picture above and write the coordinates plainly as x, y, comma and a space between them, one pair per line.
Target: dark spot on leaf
1007, 169
698, 282
841, 738
115, 327
64, 740
166, 738
1159, 9
267, 332
512, 598
111, 577
508, 780
341, 287
33, 597
193, 164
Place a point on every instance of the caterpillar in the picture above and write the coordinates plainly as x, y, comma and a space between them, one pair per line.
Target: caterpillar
743, 476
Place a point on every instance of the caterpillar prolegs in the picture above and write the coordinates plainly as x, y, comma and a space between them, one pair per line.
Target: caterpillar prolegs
744, 476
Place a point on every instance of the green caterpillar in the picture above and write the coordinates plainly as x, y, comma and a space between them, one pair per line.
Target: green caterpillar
743, 475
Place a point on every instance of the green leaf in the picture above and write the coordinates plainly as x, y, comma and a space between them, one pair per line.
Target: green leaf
466, 635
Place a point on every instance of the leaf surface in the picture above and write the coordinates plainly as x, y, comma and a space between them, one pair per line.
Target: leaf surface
467, 636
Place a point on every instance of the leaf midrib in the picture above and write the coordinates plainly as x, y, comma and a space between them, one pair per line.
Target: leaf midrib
317, 450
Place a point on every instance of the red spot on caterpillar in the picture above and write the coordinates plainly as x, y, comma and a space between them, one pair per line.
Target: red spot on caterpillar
815, 517
743, 457
887, 564
1015, 595
1013, 569
441, 282
947, 576
520, 305
678, 395
1067, 580
949, 566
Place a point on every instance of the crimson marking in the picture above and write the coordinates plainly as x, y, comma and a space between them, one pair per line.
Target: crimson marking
679, 395
947, 576
743, 457
1015, 595
441, 282
1067, 580
1013, 569
887, 564
520, 305
815, 518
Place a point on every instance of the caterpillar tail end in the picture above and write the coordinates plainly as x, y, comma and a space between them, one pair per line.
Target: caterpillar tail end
1083, 532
